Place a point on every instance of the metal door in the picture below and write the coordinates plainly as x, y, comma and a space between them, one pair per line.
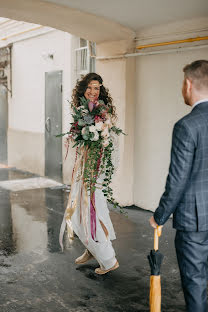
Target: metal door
3, 124
53, 125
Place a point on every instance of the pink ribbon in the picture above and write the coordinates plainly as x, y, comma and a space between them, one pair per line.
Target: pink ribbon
92, 205
91, 105
93, 215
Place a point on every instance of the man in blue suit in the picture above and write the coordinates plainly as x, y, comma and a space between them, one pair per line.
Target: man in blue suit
186, 190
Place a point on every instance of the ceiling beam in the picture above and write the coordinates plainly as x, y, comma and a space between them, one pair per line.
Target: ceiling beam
79, 23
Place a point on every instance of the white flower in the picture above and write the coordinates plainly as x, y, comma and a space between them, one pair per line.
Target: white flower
105, 133
83, 130
105, 143
99, 125
80, 107
84, 112
108, 123
92, 128
96, 136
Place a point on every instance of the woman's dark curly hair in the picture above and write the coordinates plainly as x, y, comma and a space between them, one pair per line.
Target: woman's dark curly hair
81, 87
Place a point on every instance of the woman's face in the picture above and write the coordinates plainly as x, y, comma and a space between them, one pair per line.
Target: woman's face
93, 90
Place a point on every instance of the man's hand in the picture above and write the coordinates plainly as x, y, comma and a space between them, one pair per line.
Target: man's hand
153, 223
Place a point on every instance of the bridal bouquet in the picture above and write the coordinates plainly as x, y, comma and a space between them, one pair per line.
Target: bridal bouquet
93, 128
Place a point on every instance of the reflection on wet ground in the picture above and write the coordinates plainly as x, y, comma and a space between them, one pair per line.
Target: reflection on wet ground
36, 276
13, 174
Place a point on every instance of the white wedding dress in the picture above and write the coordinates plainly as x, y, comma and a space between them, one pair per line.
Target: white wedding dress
80, 217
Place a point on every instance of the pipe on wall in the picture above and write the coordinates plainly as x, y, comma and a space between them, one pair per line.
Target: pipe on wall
160, 44
176, 50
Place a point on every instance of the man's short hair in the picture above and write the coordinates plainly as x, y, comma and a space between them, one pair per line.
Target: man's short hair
197, 72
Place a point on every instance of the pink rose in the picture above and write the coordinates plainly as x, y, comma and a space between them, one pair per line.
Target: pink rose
98, 118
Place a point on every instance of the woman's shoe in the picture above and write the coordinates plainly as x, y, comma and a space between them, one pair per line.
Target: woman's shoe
101, 271
84, 258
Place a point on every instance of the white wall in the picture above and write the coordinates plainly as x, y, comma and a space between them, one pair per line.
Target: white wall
159, 104
70, 71
29, 64
27, 105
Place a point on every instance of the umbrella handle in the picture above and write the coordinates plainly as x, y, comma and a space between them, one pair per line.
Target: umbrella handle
157, 234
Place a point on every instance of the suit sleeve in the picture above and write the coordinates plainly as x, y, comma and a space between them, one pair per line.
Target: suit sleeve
182, 157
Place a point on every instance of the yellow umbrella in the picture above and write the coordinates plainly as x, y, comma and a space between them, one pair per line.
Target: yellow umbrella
155, 259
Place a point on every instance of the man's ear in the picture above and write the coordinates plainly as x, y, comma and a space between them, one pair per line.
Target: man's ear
188, 85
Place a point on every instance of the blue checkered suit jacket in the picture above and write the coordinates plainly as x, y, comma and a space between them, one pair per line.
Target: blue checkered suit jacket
186, 190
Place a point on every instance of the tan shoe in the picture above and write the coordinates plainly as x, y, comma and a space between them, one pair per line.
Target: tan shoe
101, 271
84, 258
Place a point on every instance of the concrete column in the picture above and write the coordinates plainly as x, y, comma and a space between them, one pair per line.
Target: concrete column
119, 76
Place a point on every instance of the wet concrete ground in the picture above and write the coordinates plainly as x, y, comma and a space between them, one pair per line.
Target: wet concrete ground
36, 276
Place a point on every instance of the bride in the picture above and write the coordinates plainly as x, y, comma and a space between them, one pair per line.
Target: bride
87, 213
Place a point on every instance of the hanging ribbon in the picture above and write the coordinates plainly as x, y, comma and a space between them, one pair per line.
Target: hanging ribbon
71, 206
93, 215
92, 203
